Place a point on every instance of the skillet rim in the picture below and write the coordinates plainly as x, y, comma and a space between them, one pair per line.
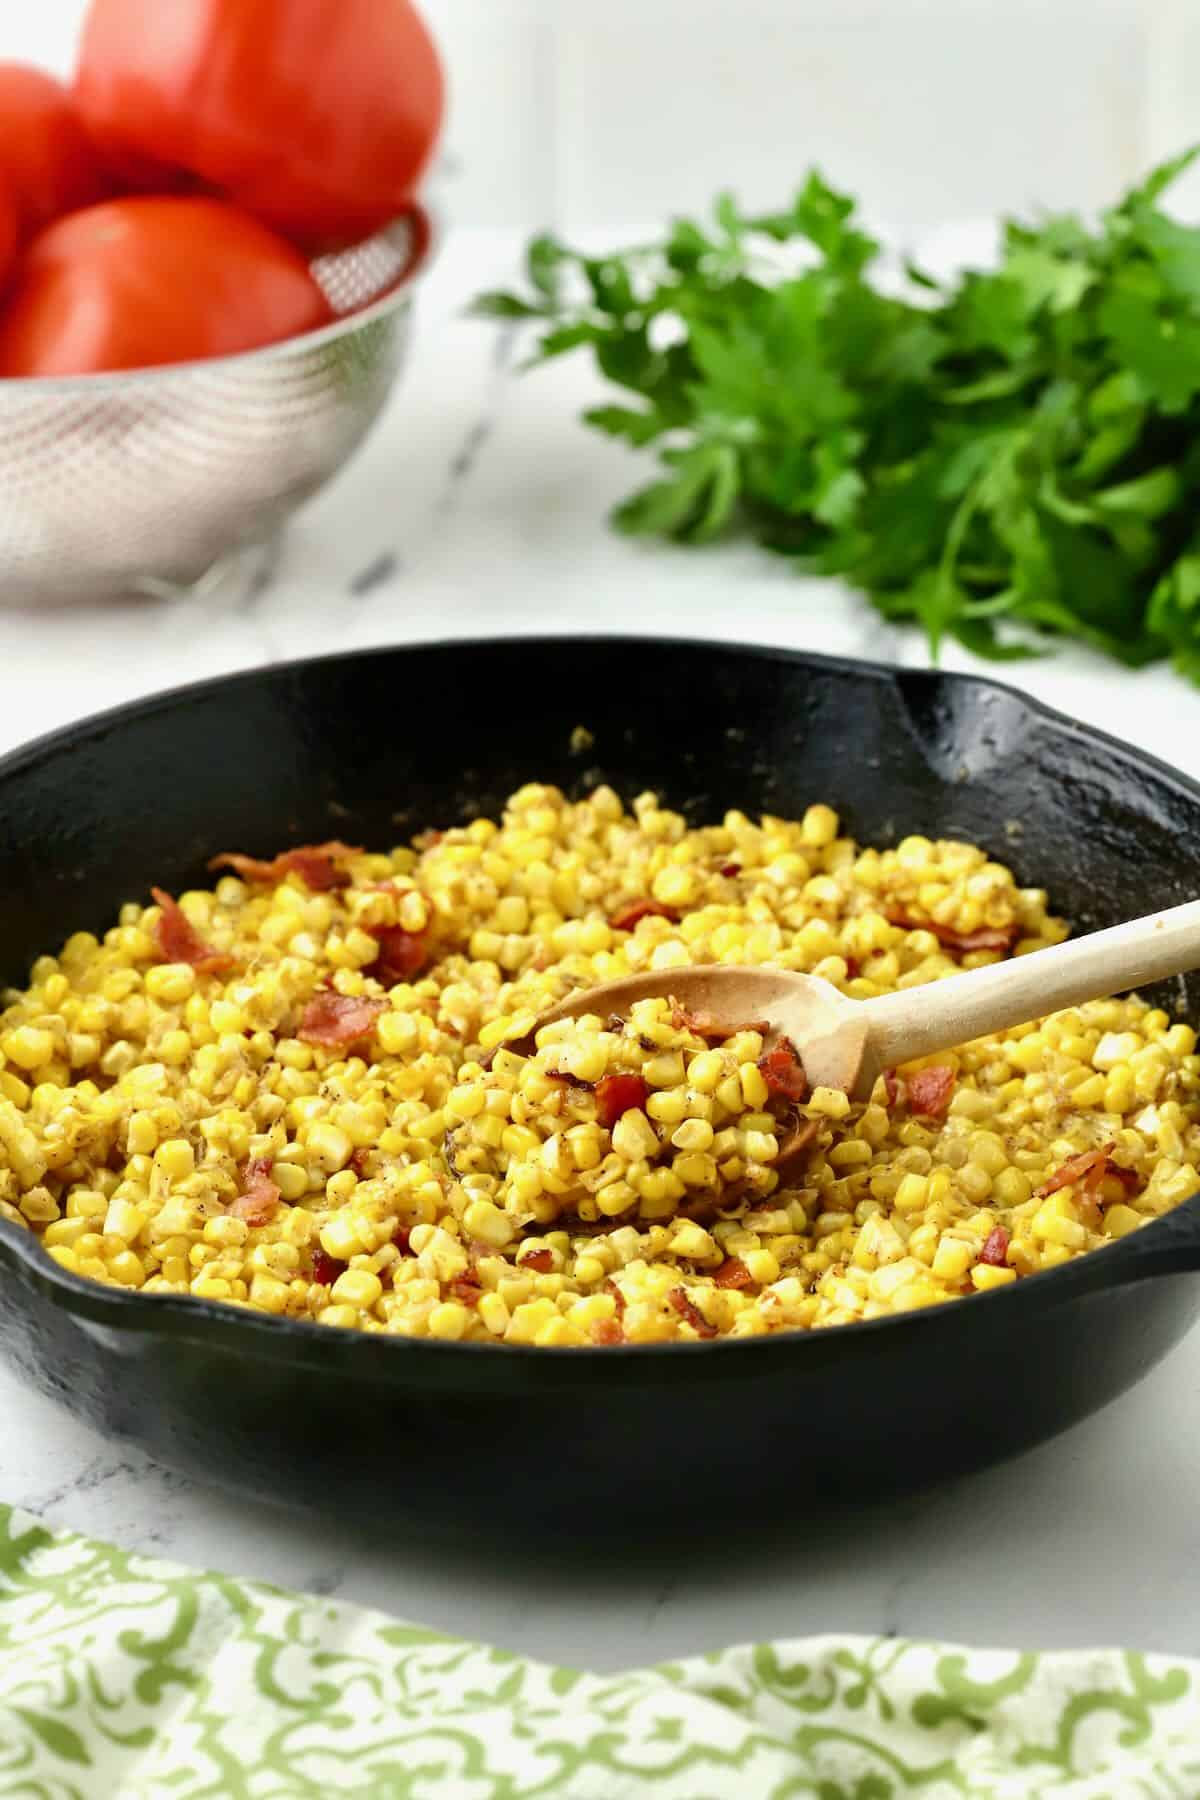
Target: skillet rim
236, 1328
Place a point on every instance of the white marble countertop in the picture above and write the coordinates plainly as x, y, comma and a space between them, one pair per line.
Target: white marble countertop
478, 507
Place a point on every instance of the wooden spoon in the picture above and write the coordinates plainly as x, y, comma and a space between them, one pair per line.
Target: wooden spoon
848, 1044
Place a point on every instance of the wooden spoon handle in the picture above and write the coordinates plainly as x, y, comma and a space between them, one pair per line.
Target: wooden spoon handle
920, 1020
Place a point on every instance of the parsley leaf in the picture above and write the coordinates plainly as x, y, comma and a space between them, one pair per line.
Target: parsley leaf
1003, 459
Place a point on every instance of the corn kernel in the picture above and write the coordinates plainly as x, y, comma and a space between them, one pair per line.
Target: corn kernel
267, 1292
358, 1288
28, 1046
329, 1146
170, 983
705, 1071
692, 1134
175, 1159
986, 1275
345, 1317
830, 1103
449, 1321
1119, 1221
486, 1221
952, 1259
494, 1313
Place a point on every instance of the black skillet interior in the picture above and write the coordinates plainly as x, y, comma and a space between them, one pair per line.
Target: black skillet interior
372, 747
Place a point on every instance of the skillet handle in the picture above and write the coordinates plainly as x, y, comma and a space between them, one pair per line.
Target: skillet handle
1167, 1246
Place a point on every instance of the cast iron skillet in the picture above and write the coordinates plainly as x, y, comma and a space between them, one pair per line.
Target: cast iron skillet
372, 747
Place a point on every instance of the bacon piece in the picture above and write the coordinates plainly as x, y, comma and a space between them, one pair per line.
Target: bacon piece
336, 1019
180, 942
610, 1287
690, 1312
607, 1331
988, 937
853, 967
618, 1094
929, 1091
783, 1071
628, 916
326, 1268
995, 1248
358, 1161
465, 1288
710, 1029
540, 1261
260, 1199
891, 1083
402, 954
1087, 1171
315, 864
733, 1273
400, 1237
731, 868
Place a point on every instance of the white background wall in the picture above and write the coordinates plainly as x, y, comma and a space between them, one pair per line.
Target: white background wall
603, 112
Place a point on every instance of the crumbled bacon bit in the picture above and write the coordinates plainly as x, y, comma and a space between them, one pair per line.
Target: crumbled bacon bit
607, 1331
326, 1268
690, 1312
733, 1273
179, 941
999, 937
929, 1091
402, 954
628, 916
891, 1083
336, 1019
465, 1288
705, 1026
401, 1237
1087, 1171
731, 868
540, 1261
853, 967
610, 1287
995, 1248
315, 864
618, 1094
260, 1199
358, 1160
783, 1071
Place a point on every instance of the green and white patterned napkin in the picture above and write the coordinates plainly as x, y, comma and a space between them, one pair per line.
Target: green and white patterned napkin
126, 1678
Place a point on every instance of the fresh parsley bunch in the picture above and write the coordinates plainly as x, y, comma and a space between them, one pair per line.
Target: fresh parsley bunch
1014, 454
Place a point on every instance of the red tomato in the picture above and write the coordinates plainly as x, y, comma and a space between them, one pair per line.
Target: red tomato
317, 116
8, 233
134, 283
46, 157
